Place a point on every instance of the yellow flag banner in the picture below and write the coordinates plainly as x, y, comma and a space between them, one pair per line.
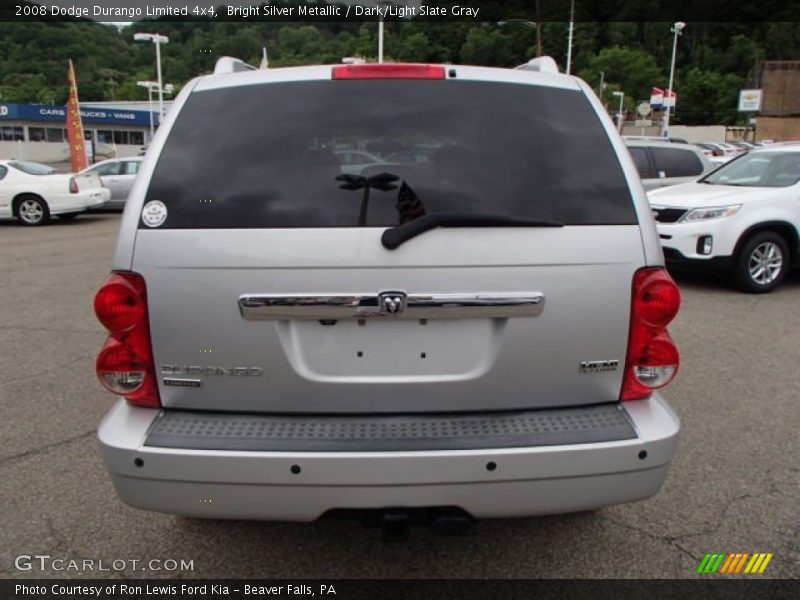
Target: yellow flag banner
77, 145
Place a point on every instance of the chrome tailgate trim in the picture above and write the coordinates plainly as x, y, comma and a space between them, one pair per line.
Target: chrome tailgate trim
396, 305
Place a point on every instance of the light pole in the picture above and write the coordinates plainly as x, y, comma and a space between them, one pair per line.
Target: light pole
529, 24
619, 112
384, 4
677, 28
569, 35
150, 85
157, 39
602, 86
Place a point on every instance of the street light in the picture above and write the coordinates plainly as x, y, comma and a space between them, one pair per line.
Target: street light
677, 28
529, 24
157, 39
619, 113
569, 35
151, 87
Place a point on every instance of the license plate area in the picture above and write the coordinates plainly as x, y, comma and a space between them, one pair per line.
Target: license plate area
376, 350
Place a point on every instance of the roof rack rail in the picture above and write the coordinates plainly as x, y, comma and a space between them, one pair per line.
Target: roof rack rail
228, 64
543, 64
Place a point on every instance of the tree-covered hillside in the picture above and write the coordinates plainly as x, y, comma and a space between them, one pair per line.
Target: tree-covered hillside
715, 60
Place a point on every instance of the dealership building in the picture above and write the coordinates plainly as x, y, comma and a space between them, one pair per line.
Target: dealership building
37, 132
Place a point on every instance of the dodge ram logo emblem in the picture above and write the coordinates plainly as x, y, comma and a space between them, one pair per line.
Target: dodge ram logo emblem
392, 303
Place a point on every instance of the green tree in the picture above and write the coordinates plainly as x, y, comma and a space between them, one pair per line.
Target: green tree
707, 97
634, 71
485, 46
415, 48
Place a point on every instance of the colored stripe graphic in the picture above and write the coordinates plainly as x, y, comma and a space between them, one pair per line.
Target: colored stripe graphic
738, 562
711, 563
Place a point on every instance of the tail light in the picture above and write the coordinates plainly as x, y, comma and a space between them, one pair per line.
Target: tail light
73, 185
125, 364
388, 71
652, 359
717, 152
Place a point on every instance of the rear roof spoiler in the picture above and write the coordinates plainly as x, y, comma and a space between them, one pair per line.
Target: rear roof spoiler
542, 64
228, 64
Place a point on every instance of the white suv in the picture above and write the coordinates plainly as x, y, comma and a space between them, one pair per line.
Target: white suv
482, 330
743, 218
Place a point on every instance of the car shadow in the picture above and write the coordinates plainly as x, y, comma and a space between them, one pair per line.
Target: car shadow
332, 547
56, 222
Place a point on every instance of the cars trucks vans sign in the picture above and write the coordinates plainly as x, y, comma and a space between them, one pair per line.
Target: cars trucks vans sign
55, 112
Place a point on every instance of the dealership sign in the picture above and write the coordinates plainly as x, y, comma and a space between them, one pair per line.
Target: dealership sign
662, 98
750, 100
55, 112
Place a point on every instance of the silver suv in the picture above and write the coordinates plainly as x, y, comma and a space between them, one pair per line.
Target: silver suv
472, 326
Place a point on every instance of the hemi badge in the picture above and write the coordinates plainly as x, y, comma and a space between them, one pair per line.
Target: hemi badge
182, 382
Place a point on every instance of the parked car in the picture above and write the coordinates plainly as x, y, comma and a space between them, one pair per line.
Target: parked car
661, 164
716, 153
745, 146
118, 175
32, 192
743, 218
484, 335
355, 161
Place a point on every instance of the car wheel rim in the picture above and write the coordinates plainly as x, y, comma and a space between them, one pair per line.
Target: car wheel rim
765, 263
31, 211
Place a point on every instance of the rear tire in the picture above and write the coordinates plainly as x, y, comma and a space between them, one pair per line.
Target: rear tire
762, 263
32, 210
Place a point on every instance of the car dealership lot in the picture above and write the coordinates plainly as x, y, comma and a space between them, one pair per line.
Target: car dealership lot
732, 488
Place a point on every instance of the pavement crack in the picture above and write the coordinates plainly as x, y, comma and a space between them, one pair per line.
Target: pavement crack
46, 371
42, 449
46, 329
670, 540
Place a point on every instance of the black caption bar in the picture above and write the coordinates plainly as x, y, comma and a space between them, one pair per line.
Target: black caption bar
350, 589
399, 10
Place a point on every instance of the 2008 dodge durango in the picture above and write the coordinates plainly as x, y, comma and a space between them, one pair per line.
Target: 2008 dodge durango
473, 316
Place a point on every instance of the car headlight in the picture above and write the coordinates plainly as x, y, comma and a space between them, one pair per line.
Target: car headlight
704, 214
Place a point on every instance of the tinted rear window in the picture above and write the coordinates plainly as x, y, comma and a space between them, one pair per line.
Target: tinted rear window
676, 162
642, 162
275, 155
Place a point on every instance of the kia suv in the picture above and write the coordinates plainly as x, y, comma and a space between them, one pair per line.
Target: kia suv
483, 331
742, 219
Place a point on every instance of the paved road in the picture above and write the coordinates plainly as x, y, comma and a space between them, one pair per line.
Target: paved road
733, 487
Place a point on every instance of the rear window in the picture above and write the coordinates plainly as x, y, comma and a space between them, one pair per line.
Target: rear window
32, 168
676, 162
301, 154
642, 162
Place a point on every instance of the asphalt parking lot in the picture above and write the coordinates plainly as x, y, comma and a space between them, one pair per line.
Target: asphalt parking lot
733, 487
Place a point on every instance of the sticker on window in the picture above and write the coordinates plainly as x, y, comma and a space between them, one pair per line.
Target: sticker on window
154, 213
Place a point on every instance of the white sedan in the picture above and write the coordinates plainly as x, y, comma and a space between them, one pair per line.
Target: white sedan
32, 192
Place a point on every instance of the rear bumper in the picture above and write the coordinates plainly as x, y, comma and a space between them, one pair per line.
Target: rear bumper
301, 486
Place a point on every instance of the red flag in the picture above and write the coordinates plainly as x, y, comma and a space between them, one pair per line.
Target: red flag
656, 96
77, 145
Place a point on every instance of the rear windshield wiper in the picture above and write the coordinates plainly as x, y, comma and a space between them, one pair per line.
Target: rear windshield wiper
392, 238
